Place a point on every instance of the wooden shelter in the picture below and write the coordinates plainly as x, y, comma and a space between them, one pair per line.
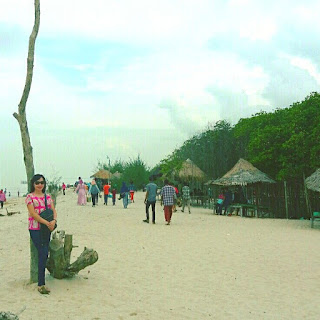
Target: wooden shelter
242, 174
102, 175
189, 171
117, 175
313, 182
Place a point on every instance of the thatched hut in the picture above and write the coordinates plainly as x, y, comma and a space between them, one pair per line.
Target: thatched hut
249, 178
313, 182
242, 174
116, 175
102, 175
189, 171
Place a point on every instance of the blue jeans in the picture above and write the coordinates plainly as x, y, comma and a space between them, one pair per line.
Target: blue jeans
125, 200
106, 198
43, 250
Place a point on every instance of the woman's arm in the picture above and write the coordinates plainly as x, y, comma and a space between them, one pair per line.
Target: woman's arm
36, 216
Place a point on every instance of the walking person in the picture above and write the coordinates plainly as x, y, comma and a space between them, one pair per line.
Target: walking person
106, 189
175, 200
124, 192
186, 199
150, 200
63, 188
35, 202
168, 195
114, 194
2, 198
132, 189
82, 194
94, 191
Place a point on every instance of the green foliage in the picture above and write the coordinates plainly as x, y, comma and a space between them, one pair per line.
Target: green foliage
212, 151
173, 162
53, 187
118, 165
284, 144
135, 170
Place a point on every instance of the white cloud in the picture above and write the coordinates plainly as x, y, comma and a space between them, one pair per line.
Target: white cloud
181, 69
307, 65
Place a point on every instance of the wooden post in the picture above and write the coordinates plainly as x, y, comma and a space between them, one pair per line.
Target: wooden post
307, 196
286, 198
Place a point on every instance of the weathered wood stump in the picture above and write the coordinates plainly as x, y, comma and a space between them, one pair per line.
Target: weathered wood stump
10, 213
60, 249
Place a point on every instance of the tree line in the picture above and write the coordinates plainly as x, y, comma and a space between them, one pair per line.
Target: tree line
283, 143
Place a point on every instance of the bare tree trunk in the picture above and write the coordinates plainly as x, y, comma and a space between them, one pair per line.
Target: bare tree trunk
22, 120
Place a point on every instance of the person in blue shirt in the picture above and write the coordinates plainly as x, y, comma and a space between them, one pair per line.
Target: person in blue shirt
150, 200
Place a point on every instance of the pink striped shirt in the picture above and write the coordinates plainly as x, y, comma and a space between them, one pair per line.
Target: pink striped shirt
39, 206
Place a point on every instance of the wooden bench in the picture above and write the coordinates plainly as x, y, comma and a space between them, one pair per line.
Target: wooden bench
247, 210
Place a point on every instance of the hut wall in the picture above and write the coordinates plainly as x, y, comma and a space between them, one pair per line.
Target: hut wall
273, 197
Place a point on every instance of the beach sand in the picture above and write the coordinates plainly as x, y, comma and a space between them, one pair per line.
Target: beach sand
202, 266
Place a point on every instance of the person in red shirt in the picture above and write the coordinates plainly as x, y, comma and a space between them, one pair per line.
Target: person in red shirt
106, 189
174, 208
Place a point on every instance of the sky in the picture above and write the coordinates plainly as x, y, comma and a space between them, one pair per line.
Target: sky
118, 79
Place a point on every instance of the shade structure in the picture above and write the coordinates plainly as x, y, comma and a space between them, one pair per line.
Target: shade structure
313, 182
102, 174
117, 175
243, 173
190, 171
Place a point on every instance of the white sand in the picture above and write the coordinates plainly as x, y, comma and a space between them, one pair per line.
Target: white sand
202, 266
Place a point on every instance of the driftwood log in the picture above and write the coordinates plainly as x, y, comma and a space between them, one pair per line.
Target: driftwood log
60, 249
10, 213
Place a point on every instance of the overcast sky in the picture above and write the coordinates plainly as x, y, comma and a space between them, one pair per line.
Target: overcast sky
122, 78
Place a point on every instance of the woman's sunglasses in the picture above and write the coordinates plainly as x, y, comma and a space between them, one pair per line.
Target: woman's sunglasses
39, 182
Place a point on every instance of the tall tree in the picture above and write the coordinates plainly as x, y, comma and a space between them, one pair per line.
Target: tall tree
22, 120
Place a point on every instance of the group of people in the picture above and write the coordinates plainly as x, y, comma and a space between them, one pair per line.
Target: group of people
226, 198
169, 194
92, 190
38, 201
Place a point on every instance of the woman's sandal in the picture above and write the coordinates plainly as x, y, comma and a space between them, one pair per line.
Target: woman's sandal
43, 290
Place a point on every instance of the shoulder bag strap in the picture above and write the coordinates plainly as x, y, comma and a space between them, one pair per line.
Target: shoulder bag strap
45, 201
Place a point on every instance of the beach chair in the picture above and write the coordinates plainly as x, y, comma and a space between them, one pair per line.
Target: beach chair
315, 216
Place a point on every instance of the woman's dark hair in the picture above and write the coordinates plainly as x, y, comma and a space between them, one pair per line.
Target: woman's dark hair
35, 178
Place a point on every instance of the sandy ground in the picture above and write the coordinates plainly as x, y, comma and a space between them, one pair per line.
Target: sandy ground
202, 266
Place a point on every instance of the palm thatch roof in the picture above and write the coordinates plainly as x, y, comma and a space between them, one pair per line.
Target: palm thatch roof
313, 182
243, 173
117, 174
190, 171
102, 174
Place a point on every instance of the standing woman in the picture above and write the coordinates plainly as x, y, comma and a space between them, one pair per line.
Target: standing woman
82, 194
36, 204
